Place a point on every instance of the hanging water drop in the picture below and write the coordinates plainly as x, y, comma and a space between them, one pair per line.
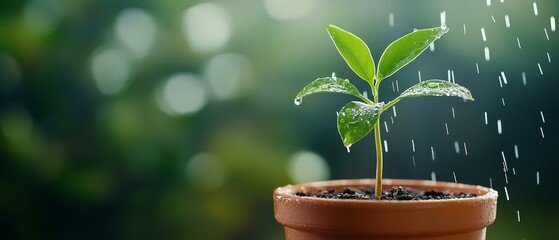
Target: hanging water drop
347, 147
490, 183
334, 76
488, 2
432, 46
298, 101
443, 20
433, 177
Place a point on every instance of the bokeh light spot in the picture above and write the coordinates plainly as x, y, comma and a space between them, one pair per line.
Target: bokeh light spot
206, 171
10, 72
41, 17
206, 27
289, 9
111, 71
306, 166
136, 29
181, 94
228, 74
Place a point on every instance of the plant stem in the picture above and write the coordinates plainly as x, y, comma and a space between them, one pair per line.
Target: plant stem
378, 145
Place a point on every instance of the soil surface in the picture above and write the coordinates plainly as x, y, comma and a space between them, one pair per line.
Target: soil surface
399, 193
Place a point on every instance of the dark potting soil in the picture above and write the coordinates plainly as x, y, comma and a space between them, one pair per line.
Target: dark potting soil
399, 193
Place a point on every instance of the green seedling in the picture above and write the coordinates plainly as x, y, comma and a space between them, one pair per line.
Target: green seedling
357, 118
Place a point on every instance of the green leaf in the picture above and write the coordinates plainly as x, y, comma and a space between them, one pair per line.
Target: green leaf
406, 49
330, 85
436, 87
356, 120
355, 52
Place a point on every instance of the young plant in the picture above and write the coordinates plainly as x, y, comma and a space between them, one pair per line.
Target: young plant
356, 119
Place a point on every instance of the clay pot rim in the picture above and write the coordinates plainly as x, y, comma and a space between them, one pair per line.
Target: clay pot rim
288, 191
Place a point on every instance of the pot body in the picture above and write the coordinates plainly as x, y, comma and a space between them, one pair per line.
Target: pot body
306, 218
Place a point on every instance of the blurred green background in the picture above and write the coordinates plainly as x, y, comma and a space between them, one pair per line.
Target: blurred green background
175, 119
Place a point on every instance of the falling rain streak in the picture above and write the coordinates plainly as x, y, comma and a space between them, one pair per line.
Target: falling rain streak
535, 5
499, 127
465, 27
432, 153
453, 114
412, 145
457, 147
483, 36
454, 174
490, 183
507, 193
538, 178
433, 177
465, 149
493, 18
518, 215
477, 67
546, 35
518, 41
504, 77
507, 21
516, 151
552, 23
385, 126
394, 110
385, 146
548, 57
541, 130
524, 78
391, 19
543, 119
485, 115
503, 100
446, 127
486, 51
419, 75
540, 67
488, 2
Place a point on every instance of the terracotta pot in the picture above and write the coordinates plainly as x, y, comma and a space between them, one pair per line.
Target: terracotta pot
306, 218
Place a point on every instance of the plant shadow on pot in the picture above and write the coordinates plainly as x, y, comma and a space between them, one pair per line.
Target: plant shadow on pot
311, 218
